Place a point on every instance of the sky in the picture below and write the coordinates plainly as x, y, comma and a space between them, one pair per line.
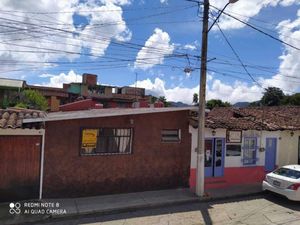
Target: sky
51, 42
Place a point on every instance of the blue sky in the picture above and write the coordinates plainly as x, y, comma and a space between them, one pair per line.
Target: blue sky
51, 42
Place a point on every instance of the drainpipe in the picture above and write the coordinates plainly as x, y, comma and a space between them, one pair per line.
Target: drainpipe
42, 164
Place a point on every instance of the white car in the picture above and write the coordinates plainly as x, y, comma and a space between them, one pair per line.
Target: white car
284, 181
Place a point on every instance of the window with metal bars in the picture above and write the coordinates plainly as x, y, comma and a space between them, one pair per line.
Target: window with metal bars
170, 135
106, 141
249, 151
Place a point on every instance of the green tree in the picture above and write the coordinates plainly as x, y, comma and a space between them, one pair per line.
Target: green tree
32, 99
164, 100
195, 99
255, 104
291, 99
153, 99
273, 96
210, 104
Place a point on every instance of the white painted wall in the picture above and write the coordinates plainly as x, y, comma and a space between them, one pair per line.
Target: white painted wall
288, 146
236, 161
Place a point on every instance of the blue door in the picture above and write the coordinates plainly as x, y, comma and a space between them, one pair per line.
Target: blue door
214, 157
270, 158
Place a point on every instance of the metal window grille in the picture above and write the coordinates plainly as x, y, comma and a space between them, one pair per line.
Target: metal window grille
249, 151
112, 141
170, 135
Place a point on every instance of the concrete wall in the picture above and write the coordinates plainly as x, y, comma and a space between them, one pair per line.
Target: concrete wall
152, 164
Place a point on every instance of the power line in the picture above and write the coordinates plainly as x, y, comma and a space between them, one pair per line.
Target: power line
242, 78
237, 56
294, 79
71, 32
104, 10
259, 30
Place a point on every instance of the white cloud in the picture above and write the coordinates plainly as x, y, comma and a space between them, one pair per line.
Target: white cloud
156, 48
117, 2
189, 47
246, 9
236, 92
164, 1
289, 31
59, 80
217, 90
63, 35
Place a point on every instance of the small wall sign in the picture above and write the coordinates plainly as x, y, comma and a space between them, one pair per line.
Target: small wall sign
234, 136
89, 138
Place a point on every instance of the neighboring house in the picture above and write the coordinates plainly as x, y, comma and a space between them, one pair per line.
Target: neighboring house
54, 96
108, 96
20, 154
88, 88
9, 90
105, 151
241, 145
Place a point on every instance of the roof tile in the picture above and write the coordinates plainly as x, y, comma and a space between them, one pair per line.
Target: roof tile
253, 118
13, 117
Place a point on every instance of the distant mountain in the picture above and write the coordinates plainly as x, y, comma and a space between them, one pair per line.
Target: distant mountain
241, 104
179, 104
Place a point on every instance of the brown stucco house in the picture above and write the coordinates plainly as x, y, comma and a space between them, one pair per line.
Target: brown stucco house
106, 151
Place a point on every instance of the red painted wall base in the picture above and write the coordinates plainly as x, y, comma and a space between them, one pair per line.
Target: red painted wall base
232, 176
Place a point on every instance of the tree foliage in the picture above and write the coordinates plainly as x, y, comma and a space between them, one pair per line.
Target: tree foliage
32, 99
164, 100
210, 104
195, 99
273, 96
291, 99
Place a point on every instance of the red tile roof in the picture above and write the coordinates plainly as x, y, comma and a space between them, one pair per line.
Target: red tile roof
13, 117
253, 118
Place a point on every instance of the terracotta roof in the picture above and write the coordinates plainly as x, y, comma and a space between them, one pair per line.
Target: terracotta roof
253, 118
13, 117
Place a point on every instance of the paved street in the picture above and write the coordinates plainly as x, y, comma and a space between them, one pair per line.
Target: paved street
261, 209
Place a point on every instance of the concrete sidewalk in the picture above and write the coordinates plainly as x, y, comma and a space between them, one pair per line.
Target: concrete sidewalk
110, 204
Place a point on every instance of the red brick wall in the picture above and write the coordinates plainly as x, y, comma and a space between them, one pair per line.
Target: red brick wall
152, 164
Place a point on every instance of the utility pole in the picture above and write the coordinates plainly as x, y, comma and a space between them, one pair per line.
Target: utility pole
202, 98
202, 101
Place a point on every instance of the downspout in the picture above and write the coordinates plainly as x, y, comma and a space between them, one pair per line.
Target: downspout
42, 164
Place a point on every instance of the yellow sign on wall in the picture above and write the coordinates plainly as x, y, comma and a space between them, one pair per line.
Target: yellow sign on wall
89, 138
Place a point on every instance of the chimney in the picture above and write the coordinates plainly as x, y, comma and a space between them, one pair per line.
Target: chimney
89, 79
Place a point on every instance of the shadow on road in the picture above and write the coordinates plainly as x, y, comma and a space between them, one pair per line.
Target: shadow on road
203, 208
282, 201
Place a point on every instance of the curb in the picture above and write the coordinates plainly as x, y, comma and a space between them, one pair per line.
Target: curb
138, 207
112, 211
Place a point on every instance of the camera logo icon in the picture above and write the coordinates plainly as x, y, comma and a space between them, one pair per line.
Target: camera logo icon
15, 208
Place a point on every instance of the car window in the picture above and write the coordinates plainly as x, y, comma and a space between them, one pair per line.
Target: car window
288, 173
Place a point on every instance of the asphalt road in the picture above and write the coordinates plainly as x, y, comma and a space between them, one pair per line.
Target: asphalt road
257, 210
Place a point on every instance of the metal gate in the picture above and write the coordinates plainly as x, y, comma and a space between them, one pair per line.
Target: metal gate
19, 167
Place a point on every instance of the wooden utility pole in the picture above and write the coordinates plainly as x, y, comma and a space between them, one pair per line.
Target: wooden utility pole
202, 101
